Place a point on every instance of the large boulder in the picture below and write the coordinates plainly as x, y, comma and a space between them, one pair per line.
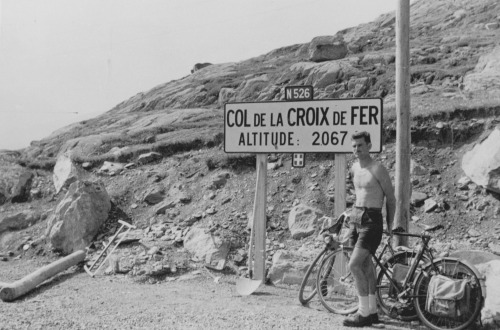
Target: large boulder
373, 59
78, 217
21, 191
304, 220
289, 267
327, 48
18, 220
226, 94
490, 314
482, 163
9, 178
218, 180
486, 74
199, 66
320, 75
149, 157
66, 172
206, 246
111, 168
475, 257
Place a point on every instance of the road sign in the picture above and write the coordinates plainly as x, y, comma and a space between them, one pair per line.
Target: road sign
298, 160
301, 126
295, 93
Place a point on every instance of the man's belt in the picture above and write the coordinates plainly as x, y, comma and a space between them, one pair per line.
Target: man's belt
379, 209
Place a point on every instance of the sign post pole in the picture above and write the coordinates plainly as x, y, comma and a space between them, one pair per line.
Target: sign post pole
401, 218
340, 183
259, 218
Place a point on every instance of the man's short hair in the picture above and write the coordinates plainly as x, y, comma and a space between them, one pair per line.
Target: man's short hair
362, 135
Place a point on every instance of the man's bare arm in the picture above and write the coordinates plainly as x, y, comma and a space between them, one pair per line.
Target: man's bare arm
385, 182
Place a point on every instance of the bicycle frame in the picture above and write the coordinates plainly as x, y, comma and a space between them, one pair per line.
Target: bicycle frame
424, 248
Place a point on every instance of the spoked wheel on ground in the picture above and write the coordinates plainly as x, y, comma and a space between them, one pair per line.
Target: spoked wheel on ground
386, 292
335, 283
455, 269
307, 289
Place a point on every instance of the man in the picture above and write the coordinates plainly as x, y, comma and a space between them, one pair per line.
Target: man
371, 183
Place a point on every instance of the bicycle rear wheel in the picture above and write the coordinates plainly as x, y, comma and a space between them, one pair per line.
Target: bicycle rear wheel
386, 292
454, 269
307, 289
335, 283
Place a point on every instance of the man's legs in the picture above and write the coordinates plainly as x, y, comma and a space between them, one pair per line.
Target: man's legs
358, 266
372, 285
371, 277
360, 269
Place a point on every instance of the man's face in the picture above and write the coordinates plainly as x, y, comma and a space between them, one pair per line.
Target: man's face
360, 148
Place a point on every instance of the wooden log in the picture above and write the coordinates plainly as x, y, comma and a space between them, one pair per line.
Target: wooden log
14, 290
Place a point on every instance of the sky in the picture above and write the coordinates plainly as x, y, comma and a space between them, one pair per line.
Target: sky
64, 61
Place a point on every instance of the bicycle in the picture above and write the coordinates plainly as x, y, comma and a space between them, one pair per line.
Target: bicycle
339, 294
408, 290
307, 289
310, 283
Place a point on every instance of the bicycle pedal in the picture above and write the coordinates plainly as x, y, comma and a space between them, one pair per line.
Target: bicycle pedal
393, 312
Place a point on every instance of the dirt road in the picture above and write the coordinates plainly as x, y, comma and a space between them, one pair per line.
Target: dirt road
74, 300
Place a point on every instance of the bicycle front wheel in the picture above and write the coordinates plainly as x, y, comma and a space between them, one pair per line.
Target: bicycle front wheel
454, 269
307, 289
335, 283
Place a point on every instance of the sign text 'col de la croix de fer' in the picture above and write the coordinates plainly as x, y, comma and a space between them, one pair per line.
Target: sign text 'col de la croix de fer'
301, 126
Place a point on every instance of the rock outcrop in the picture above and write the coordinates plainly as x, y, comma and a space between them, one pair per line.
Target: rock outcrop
206, 246
303, 221
78, 217
490, 314
482, 163
327, 48
66, 172
21, 191
18, 220
289, 267
486, 74
199, 66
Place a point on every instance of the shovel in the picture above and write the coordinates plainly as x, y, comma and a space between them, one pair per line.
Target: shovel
247, 286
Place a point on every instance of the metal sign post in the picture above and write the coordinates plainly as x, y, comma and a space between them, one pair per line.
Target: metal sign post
403, 136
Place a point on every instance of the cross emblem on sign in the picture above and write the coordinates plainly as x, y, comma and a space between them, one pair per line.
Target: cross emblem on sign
298, 160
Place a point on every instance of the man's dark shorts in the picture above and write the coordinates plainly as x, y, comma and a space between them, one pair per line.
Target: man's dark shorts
368, 235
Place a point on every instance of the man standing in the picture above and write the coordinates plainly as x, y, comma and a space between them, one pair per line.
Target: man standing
371, 183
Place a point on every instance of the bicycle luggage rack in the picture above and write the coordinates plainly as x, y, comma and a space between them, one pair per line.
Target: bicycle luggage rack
123, 225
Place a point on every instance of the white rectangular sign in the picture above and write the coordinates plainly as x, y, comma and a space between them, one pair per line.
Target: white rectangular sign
301, 126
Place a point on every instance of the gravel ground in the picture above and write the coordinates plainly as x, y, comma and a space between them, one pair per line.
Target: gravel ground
74, 300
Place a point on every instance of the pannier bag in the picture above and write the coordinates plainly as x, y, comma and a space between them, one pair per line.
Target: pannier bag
448, 297
399, 272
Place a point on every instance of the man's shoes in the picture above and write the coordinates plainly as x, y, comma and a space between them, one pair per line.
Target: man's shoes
357, 320
374, 318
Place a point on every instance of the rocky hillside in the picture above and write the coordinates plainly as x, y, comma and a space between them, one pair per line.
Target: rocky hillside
454, 67
159, 154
